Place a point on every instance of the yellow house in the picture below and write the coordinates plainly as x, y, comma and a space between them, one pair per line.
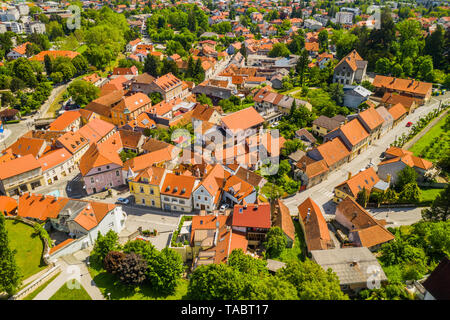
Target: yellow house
146, 186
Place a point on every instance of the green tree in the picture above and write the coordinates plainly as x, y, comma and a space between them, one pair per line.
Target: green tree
275, 242
9, 272
272, 288
410, 193
279, 50
152, 65
302, 65
203, 99
323, 40
246, 264
404, 177
112, 261
57, 77
83, 92
166, 270
131, 269
311, 281
104, 244
363, 197
440, 209
48, 64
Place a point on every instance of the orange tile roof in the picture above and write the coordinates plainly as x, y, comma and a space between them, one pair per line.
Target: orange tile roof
64, 120
24, 146
73, 141
60, 246
21, 49
150, 175
354, 131
102, 154
207, 222
132, 103
370, 231
317, 234
39, 206
397, 111
311, 167
54, 54
252, 216
7, 205
333, 151
178, 185
228, 241
371, 117
93, 214
240, 187
402, 85
284, 220
18, 166
312, 46
243, 119
351, 59
95, 130
364, 179
54, 158
167, 82
148, 159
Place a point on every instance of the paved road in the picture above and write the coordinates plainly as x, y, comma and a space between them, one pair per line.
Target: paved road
398, 216
322, 193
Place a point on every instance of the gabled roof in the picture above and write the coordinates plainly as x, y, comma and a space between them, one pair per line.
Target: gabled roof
409, 160
93, 214
7, 205
208, 222
351, 59
238, 187
18, 166
213, 181
317, 234
364, 179
54, 54
131, 103
203, 112
284, 219
96, 129
24, 146
151, 175
370, 231
64, 120
311, 167
243, 119
148, 159
438, 282
354, 131
252, 216
167, 82
54, 158
371, 118
40, 206
333, 151
397, 111
178, 185
327, 123
402, 85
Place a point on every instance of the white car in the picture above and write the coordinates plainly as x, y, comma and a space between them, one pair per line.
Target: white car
274, 124
223, 207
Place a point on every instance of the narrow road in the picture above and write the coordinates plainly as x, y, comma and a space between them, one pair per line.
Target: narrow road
322, 193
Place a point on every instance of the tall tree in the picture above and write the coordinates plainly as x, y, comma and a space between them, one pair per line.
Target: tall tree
275, 242
151, 65
9, 272
302, 65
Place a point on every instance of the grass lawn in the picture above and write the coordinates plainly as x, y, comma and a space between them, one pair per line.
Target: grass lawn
40, 288
55, 106
281, 91
435, 144
298, 251
29, 248
429, 194
107, 282
64, 293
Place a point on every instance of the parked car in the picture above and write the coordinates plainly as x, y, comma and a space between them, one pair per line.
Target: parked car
123, 201
409, 124
223, 207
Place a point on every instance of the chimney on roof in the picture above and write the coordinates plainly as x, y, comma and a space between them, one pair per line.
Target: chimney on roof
349, 175
308, 215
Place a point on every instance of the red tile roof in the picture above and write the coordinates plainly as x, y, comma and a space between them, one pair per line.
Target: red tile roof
18, 166
252, 216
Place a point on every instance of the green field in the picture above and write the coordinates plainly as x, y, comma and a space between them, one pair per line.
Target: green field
29, 248
429, 194
435, 144
40, 288
108, 283
298, 251
64, 293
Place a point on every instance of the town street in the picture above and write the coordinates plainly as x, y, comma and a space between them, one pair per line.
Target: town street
322, 193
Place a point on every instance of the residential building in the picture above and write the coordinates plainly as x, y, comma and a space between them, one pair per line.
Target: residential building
407, 87
344, 18
388, 120
388, 169
351, 68
237, 191
354, 136
169, 86
253, 220
18, 52
68, 121
56, 165
366, 179
315, 228
333, 152
355, 267
176, 192
27, 145
391, 98
372, 122
75, 143
242, 124
363, 230
398, 113
354, 96
438, 282
101, 166
310, 171
103, 105
208, 193
20, 175
97, 131
129, 108
146, 186
282, 219
323, 125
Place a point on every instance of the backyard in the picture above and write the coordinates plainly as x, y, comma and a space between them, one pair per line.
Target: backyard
29, 248
429, 194
108, 283
435, 144
297, 252
66, 293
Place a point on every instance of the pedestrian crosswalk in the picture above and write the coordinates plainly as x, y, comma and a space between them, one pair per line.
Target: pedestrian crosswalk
326, 193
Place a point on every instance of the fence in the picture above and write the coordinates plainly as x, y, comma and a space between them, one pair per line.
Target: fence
35, 284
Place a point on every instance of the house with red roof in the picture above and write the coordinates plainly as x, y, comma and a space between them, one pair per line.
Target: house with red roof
80, 220
351, 68
253, 220
176, 192
56, 165
208, 193
68, 121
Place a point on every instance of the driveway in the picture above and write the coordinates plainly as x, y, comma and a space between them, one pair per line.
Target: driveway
396, 217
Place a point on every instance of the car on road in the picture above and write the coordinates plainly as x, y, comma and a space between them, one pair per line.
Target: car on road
409, 124
274, 124
123, 201
223, 207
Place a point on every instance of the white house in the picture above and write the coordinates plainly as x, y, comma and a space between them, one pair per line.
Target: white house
207, 195
56, 165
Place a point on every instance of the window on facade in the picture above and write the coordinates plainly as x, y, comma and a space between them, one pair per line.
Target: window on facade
151, 191
206, 199
99, 169
182, 202
117, 173
92, 180
166, 199
107, 167
153, 202
142, 190
143, 201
